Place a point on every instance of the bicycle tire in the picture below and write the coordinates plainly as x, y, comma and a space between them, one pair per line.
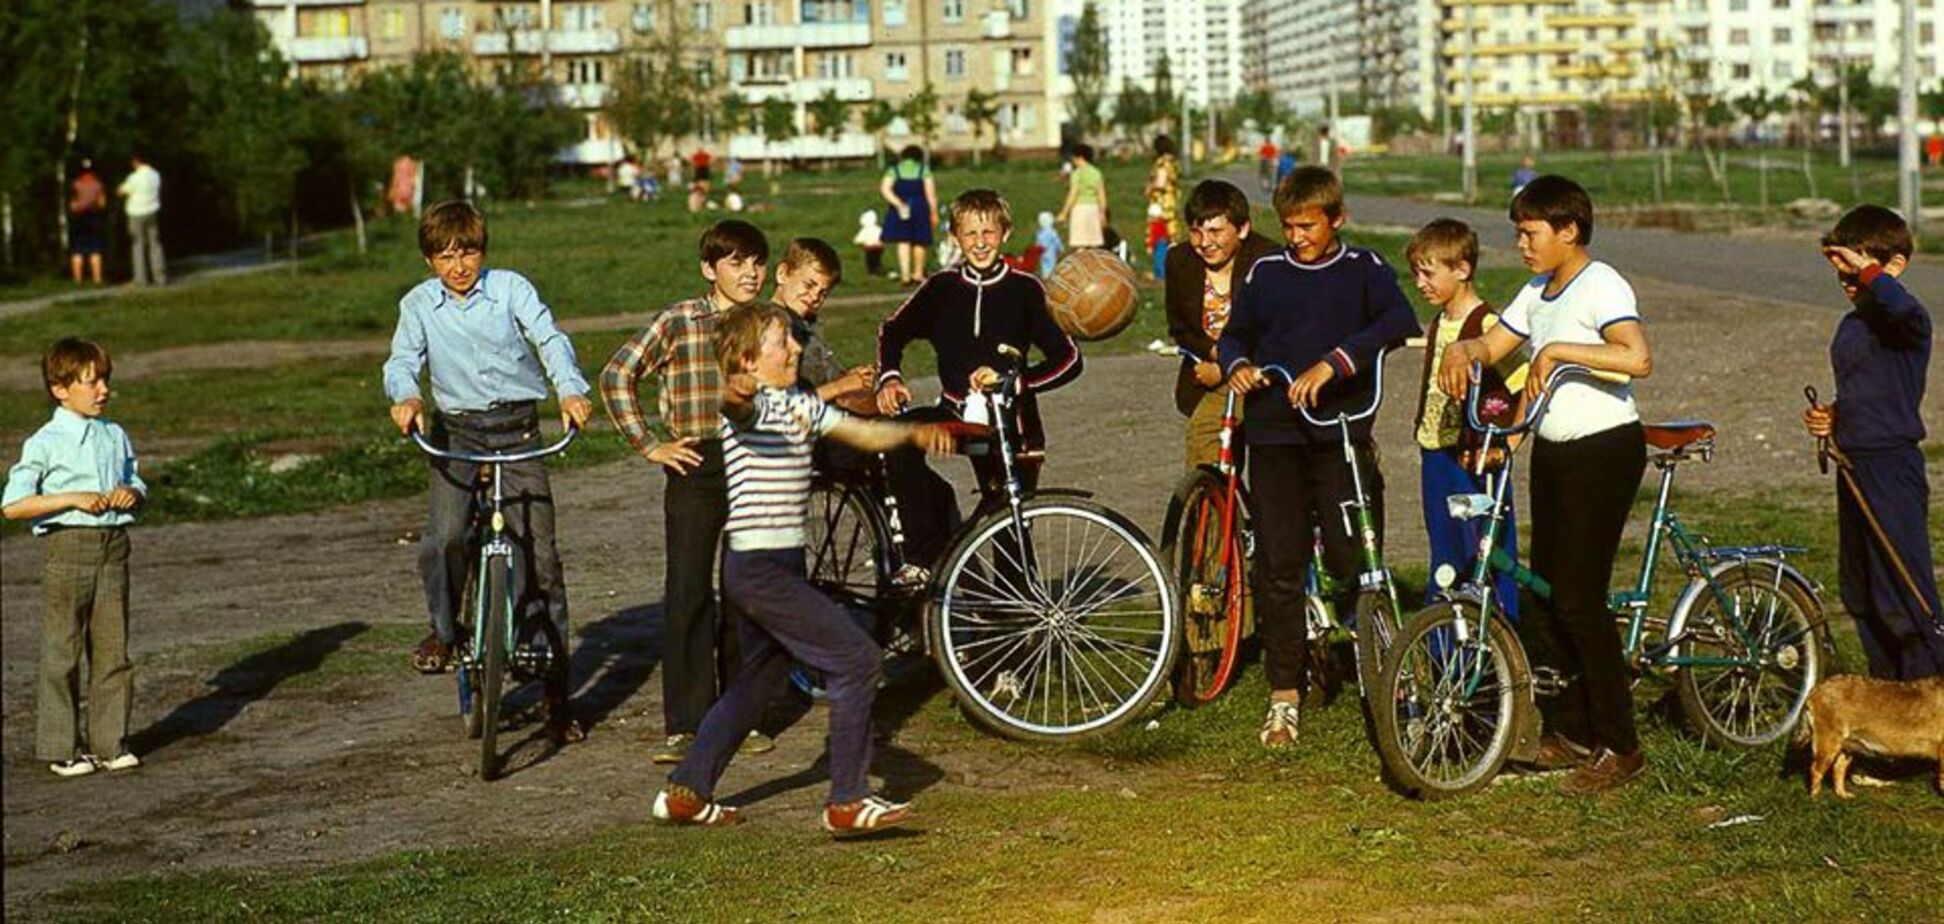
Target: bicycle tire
1780, 611
991, 607
1417, 719
467, 673
846, 554
1211, 585
498, 613
1377, 630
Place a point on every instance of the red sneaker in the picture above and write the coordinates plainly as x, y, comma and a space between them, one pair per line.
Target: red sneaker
679, 805
864, 816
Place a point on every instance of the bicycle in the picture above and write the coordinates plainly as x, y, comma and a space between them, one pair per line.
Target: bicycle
487, 609
1049, 618
1744, 641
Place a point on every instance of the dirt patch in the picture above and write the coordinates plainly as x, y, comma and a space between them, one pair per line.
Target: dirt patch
290, 755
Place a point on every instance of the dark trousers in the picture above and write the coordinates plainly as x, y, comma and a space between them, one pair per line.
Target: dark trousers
84, 615
1900, 642
445, 559
1297, 490
786, 620
1455, 542
694, 508
1582, 492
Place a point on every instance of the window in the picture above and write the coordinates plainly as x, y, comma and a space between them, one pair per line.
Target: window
1742, 71
643, 18
759, 13
518, 18
1781, 4
834, 66
954, 62
1022, 61
1782, 70
1737, 6
585, 70
1697, 35
702, 15
452, 22
1866, 30
331, 24
1737, 36
1926, 32
895, 67
1781, 36
1019, 10
953, 10
392, 26
580, 17
894, 12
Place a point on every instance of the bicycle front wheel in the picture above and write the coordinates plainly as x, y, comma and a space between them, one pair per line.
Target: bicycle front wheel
1064, 628
1377, 628
1758, 635
497, 614
1446, 712
1212, 585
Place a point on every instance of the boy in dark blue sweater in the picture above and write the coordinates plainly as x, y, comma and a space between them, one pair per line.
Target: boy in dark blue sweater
1327, 309
1880, 353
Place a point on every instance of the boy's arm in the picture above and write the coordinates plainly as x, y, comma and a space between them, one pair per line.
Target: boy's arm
1885, 295
22, 499
912, 320
556, 350
644, 353
1388, 319
882, 436
407, 360
1062, 362
133, 491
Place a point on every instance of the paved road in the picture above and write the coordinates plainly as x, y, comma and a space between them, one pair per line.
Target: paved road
1775, 269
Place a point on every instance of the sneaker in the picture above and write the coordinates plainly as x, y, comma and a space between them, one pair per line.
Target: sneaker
122, 761
911, 576
1558, 752
757, 743
864, 816
431, 656
674, 749
1280, 725
73, 766
679, 805
1604, 771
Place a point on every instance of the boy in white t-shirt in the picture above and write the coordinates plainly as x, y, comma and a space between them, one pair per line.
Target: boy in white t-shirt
1587, 463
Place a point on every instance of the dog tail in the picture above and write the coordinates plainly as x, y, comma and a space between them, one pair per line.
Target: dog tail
1805, 730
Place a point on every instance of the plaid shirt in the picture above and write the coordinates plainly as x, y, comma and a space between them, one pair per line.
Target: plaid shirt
678, 346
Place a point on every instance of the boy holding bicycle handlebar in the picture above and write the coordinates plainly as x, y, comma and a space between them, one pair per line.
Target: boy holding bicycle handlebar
1329, 309
479, 330
1588, 456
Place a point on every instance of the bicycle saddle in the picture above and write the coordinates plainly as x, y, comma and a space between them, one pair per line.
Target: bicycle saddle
1678, 434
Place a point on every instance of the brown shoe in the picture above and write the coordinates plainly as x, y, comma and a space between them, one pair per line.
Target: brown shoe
1606, 770
431, 656
1558, 752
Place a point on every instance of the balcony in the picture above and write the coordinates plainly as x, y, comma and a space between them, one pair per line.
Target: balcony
807, 35
582, 95
850, 144
848, 89
318, 49
1456, 49
528, 42
280, 4
1589, 21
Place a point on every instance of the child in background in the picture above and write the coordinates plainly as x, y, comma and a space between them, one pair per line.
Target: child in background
76, 480
1326, 308
1443, 256
1048, 240
1879, 354
870, 237
1157, 241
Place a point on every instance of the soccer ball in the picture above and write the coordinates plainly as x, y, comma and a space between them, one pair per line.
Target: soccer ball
1091, 294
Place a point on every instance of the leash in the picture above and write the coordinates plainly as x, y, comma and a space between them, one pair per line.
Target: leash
1825, 451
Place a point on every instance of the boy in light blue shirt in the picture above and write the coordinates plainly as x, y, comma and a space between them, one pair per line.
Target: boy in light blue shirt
479, 330
76, 480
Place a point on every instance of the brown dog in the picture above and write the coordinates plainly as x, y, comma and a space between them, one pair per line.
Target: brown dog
1876, 718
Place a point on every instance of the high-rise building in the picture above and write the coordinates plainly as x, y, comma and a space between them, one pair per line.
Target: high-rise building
1201, 39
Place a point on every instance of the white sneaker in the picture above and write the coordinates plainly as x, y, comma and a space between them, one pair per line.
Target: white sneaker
73, 766
1279, 726
122, 761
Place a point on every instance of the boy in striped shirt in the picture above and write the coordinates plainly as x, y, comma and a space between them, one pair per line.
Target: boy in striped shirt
769, 425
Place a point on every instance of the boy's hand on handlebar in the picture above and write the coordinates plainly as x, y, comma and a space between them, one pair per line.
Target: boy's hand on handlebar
679, 456
892, 396
1543, 364
1246, 378
1208, 375
407, 414
934, 439
1303, 391
983, 378
575, 410
1820, 420
1455, 370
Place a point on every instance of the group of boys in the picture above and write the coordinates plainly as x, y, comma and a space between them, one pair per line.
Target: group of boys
745, 387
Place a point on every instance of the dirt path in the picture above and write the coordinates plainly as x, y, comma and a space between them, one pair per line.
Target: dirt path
321, 748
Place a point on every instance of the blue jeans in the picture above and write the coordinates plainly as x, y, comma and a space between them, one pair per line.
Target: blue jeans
1455, 542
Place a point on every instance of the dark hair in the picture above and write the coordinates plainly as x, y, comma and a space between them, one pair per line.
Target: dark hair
1305, 187
985, 202
1445, 240
733, 238
912, 152
1873, 230
69, 357
1558, 202
1163, 145
1084, 152
816, 252
739, 332
448, 224
1216, 199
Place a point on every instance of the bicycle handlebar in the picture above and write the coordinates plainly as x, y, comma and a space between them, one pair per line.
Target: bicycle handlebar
1535, 409
497, 458
1376, 397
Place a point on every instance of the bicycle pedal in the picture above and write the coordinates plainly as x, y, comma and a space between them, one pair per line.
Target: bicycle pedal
1548, 681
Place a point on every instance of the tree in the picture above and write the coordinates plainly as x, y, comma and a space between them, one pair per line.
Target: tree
410, 110
830, 113
1167, 107
981, 109
878, 117
1255, 106
734, 113
778, 118
657, 93
244, 118
1088, 67
529, 130
1758, 105
1133, 111
920, 112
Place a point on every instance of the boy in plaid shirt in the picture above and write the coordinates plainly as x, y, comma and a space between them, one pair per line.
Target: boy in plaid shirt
678, 350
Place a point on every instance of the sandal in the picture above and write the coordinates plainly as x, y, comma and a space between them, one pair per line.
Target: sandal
431, 656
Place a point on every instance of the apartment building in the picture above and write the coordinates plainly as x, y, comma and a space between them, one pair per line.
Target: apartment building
1742, 46
862, 50
1202, 40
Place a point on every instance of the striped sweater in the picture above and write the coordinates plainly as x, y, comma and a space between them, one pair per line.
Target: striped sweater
768, 458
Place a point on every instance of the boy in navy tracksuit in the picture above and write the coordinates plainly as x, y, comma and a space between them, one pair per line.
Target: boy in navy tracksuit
1322, 310
1879, 356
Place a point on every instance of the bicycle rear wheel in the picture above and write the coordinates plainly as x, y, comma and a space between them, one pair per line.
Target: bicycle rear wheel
1212, 585
847, 554
1446, 712
1065, 629
498, 616
1759, 696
